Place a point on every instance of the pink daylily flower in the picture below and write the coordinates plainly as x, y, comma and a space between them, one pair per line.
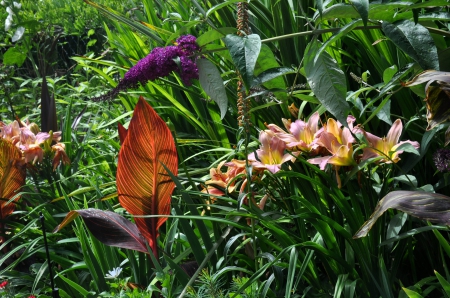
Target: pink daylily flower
387, 146
302, 134
338, 143
30, 144
271, 153
10, 132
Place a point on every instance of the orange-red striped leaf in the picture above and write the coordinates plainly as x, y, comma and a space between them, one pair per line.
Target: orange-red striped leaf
12, 176
143, 185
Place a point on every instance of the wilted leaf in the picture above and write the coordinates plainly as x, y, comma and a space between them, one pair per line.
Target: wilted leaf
438, 104
244, 51
12, 176
212, 83
327, 81
143, 185
109, 228
415, 40
424, 205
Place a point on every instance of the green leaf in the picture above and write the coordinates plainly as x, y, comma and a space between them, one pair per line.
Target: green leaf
343, 31
412, 294
214, 34
271, 73
415, 40
219, 6
211, 81
327, 81
362, 6
244, 51
424, 205
444, 283
14, 55
389, 73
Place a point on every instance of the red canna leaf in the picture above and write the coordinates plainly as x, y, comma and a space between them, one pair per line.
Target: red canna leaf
109, 228
143, 185
12, 176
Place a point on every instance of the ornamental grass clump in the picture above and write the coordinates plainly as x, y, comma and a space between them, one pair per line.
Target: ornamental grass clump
158, 64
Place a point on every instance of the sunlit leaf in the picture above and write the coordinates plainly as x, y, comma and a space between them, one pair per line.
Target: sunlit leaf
109, 228
415, 40
143, 185
424, 205
12, 176
212, 83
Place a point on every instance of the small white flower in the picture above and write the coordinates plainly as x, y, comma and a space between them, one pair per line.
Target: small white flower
17, 5
114, 273
2, 3
9, 11
18, 34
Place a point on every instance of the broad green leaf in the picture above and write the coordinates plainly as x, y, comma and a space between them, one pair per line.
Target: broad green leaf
271, 74
244, 51
327, 81
362, 6
415, 40
267, 60
109, 228
424, 205
143, 185
214, 34
212, 83
389, 73
12, 176
344, 30
377, 11
14, 55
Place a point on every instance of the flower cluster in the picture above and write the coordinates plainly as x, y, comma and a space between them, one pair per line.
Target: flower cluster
330, 145
160, 63
33, 143
3, 284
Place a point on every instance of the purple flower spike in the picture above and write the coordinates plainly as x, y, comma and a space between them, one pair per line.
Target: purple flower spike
189, 70
160, 63
441, 159
188, 44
